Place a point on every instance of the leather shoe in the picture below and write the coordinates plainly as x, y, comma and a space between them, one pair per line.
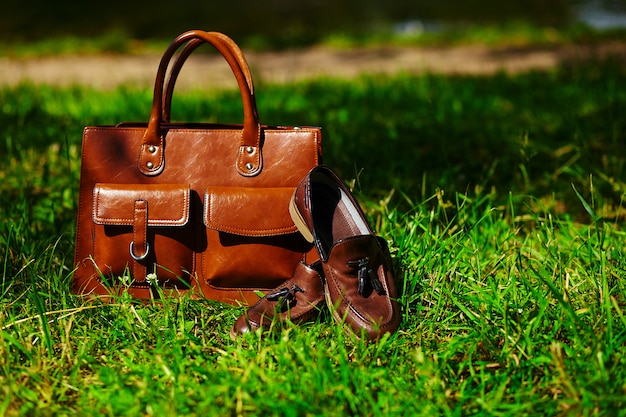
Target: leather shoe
299, 300
359, 285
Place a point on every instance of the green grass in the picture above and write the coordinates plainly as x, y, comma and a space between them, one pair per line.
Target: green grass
501, 196
506, 34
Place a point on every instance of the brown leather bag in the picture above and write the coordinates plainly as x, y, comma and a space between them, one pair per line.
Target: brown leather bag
191, 207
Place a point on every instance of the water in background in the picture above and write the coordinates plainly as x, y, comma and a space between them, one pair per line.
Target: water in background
602, 14
291, 22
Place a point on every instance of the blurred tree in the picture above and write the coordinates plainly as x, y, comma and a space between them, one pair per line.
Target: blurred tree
301, 21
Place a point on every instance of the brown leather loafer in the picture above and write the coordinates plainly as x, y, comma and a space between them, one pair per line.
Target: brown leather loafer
359, 286
299, 300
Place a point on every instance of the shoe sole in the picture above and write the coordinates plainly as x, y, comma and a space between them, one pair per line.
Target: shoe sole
299, 220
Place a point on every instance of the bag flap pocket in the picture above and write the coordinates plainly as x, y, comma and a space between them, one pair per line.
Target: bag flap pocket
168, 204
248, 211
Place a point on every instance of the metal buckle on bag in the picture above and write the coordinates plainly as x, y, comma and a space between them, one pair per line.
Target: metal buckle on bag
141, 257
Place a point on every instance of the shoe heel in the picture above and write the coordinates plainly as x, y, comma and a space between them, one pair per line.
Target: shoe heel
299, 221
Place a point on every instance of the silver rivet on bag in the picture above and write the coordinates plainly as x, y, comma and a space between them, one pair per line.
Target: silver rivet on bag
152, 149
150, 165
249, 166
249, 149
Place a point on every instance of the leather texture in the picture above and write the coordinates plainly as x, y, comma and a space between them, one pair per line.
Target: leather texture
191, 207
358, 279
298, 300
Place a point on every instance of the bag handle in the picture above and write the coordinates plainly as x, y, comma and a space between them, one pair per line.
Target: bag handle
249, 160
178, 65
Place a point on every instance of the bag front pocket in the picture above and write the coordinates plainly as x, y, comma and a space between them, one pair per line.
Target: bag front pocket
252, 241
143, 234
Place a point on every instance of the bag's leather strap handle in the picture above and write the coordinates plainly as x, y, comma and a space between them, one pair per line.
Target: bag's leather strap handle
249, 161
177, 66
139, 246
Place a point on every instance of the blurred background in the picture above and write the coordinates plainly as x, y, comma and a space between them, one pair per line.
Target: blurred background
289, 23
